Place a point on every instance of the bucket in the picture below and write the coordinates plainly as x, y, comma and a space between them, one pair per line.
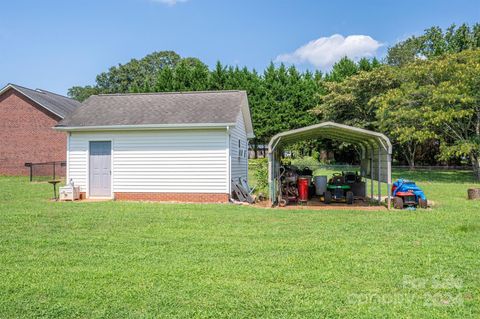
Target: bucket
303, 188
320, 185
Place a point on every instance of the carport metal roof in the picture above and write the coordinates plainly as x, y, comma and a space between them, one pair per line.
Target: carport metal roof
375, 156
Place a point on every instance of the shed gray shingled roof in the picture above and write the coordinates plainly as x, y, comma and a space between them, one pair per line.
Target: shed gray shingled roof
57, 104
212, 107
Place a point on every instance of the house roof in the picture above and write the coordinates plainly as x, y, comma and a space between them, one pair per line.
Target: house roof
150, 110
57, 104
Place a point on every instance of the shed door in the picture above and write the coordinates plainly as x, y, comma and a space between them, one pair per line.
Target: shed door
100, 169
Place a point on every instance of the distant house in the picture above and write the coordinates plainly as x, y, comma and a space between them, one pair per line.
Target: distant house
26, 120
159, 146
257, 151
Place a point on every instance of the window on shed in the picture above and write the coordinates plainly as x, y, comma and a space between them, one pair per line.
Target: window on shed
242, 152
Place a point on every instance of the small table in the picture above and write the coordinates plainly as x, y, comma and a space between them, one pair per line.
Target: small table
54, 183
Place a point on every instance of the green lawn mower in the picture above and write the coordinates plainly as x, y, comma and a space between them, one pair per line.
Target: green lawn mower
339, 188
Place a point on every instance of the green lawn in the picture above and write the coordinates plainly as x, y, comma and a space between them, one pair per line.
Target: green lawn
119, 259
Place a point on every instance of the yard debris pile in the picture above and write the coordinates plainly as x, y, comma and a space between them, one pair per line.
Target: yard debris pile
242, 192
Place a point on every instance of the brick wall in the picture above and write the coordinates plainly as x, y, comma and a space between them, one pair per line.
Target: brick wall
26, 134
175, 197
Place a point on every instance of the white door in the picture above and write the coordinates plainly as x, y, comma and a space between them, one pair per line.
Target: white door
100, 169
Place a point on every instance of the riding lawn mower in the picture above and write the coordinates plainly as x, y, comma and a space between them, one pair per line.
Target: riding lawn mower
339, 187
407, 194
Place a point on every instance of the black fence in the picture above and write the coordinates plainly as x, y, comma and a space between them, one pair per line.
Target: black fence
41, 172
347, 167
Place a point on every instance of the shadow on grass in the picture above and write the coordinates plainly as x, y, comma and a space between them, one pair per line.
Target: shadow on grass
435, 176
467, 228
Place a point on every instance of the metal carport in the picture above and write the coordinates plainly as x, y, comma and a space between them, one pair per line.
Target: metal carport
376, 153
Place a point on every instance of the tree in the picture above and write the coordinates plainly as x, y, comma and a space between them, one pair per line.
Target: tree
459, 39
400, 115
365, 64
288, 97
455, 105
405, 52
433, 43
81, 93
476, 35
165, 80
341, 70
134, 76
190, 74
218, 77
442, 96
348, 102
121, 78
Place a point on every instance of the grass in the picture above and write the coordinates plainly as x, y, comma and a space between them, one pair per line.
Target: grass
120, 259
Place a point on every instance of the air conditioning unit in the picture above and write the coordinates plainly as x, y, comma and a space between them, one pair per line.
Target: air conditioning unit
69, 192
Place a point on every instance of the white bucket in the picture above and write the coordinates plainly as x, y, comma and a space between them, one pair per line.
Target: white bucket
320, 185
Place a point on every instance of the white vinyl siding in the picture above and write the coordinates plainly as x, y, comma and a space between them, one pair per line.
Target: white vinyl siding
77, 161
179, 161
239, 163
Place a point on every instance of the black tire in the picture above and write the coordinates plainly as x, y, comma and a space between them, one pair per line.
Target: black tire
327, 198
397, 203
349, 197
422, 203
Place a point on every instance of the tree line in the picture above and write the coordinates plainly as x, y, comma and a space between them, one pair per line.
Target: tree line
424, 95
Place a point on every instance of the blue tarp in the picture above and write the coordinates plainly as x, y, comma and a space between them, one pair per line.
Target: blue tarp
404, 185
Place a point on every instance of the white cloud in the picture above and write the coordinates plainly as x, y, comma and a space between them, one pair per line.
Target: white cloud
324, 52
169, 3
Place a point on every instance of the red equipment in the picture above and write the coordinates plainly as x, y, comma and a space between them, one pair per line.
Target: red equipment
408, 198
303, 183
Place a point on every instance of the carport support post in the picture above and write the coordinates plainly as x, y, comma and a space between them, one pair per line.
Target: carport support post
379, 175
271, 185
371, 174
389, 179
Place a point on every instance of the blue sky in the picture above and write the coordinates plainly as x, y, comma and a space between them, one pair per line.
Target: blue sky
57, 44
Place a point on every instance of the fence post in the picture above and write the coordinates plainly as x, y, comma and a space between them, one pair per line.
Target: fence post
29, 165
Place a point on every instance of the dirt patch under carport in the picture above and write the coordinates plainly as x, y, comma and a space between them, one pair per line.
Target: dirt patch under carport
316, 204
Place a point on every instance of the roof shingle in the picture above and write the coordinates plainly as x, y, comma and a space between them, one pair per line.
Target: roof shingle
55, 103
212, 107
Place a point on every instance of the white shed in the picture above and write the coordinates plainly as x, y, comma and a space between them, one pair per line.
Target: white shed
159, 146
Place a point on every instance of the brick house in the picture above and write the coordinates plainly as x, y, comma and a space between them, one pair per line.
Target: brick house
26, 120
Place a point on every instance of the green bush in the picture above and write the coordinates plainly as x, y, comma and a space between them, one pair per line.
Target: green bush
259, 173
